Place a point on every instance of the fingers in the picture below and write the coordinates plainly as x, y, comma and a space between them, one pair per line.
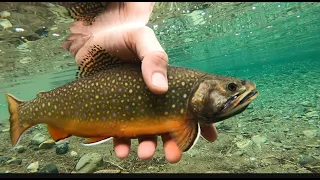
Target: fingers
121, 147
209, 132
154, 59
171, 150
147, 147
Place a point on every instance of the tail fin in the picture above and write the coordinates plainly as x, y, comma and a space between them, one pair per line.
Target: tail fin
16, 129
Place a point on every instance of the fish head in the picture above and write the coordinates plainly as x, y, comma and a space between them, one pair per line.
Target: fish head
221, 97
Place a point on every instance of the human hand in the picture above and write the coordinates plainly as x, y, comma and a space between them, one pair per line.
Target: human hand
121, 30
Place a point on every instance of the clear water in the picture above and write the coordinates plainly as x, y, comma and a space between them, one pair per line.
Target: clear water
276, 45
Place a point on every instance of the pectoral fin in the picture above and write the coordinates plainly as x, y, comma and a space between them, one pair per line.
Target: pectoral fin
187, 135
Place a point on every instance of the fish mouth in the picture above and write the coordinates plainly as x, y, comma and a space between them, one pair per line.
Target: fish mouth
238, 103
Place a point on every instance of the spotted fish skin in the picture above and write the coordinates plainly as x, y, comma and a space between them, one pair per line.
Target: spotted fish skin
115, 102
119, 93
109, 99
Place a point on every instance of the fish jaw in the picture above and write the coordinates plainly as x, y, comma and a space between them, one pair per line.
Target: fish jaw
239, 102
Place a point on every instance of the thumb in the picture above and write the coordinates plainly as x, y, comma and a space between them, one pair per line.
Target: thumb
154, 60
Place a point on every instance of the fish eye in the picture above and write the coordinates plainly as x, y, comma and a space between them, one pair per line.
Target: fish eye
232, 86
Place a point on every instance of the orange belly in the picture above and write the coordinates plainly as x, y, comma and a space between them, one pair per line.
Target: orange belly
121, 128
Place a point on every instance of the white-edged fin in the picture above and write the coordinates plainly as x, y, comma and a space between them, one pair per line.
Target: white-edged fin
96, 141
187, 135
197, 138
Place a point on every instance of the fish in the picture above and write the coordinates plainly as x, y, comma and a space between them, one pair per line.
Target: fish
109, 99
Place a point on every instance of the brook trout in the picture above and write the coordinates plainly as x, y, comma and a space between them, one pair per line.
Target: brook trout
110, 99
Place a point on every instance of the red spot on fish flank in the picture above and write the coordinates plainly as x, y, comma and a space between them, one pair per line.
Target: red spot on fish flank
119, 89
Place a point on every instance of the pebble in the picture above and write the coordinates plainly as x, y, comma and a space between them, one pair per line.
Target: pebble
310, 133
53, 28
244, 143
38, 139
312, 114
307, 159
287, 147
4, 14
306, 104
217, 172
49, 168
4, 24
62, 148
48, 144
89, 163
73, 154
4, 159
25, 60
239, 153
108, 171
257, 139
33, 166
14, 161
20, 149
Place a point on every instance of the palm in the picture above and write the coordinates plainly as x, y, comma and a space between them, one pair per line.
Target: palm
121, 31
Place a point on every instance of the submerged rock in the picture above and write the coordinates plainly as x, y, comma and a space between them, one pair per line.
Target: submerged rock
257, 139
33, 167
218, 172
4, 14
49, 168
20, 149
4, 159
306, 104
312, 114
4, 24
108, 171
73, 154
62, 148
307, 159
14, 161
38, 139
310, 133
89, 163
244, 143
48, 144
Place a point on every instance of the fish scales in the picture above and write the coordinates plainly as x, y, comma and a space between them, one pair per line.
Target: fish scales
110, 99
112, 96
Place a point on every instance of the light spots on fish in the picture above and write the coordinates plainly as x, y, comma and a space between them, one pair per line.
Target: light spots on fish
104, 97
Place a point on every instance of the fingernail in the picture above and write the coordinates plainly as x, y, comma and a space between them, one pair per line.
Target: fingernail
159, 79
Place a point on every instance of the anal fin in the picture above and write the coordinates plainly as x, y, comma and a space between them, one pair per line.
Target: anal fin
57, 134
96, 140
187, 135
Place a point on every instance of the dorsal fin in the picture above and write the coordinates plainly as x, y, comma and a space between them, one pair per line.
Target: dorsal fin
96, 60
84, 11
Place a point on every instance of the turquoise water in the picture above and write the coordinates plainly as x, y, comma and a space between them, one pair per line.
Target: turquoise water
276, 45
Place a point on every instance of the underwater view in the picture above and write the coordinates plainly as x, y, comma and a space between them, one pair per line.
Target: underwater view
272, 48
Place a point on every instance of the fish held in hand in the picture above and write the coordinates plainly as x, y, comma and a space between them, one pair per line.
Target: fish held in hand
109, 99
